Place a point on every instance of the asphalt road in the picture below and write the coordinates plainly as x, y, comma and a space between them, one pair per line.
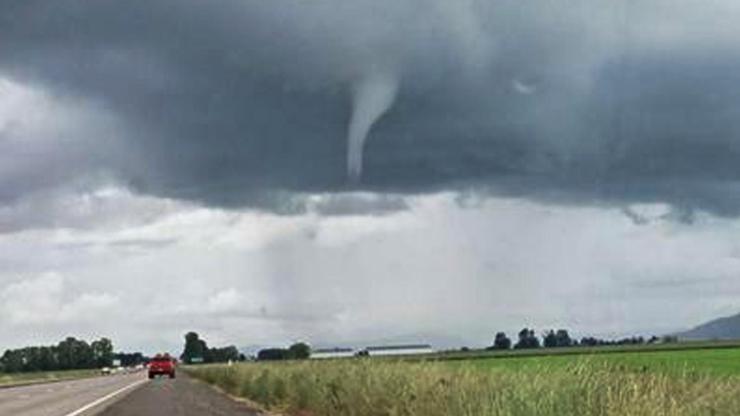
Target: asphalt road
68, 398
180, 397
119, 395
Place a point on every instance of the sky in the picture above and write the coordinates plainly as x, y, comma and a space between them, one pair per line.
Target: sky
343, 172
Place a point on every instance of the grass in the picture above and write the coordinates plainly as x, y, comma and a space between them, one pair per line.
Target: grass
16, 379
718, 362
694, 382
609, 349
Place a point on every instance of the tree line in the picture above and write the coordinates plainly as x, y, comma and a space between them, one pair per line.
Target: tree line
69, 354
196, 351
527, 339
297, 351
131, 359
75, 354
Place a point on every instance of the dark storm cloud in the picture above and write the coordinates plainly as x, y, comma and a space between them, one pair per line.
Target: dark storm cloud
236, 103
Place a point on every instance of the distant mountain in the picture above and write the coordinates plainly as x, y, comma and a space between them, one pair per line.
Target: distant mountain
722, 328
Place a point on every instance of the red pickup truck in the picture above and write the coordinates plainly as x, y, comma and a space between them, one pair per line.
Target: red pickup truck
162, 365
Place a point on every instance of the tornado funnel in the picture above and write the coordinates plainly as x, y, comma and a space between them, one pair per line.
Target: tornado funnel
373, 96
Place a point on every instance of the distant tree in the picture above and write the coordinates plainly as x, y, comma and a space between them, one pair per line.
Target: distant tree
130, 359
31, 359
102, 352
501, 342
549, 340
589, 342
630, 341
562, 338
225, 354
594, 342
12, 361
527, 339
669, 339
47, 359
75, 354
195, 348
556, 339
71, 353
272, 354
207, 352
299, 351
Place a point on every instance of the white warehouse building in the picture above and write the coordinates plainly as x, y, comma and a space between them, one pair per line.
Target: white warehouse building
398, 350
325, 353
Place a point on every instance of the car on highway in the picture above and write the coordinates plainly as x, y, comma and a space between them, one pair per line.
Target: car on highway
162, 365
107, 371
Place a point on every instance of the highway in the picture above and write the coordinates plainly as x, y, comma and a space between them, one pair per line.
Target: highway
67, 398
119, 395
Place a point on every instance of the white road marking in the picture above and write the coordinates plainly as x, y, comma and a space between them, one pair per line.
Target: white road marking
104, 398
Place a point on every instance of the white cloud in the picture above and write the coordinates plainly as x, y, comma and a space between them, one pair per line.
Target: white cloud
88, 208
256, 278
225, 301
48, 300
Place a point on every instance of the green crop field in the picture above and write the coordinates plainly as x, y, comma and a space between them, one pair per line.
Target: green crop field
46, 376
580, 350
711, 361
670, 381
